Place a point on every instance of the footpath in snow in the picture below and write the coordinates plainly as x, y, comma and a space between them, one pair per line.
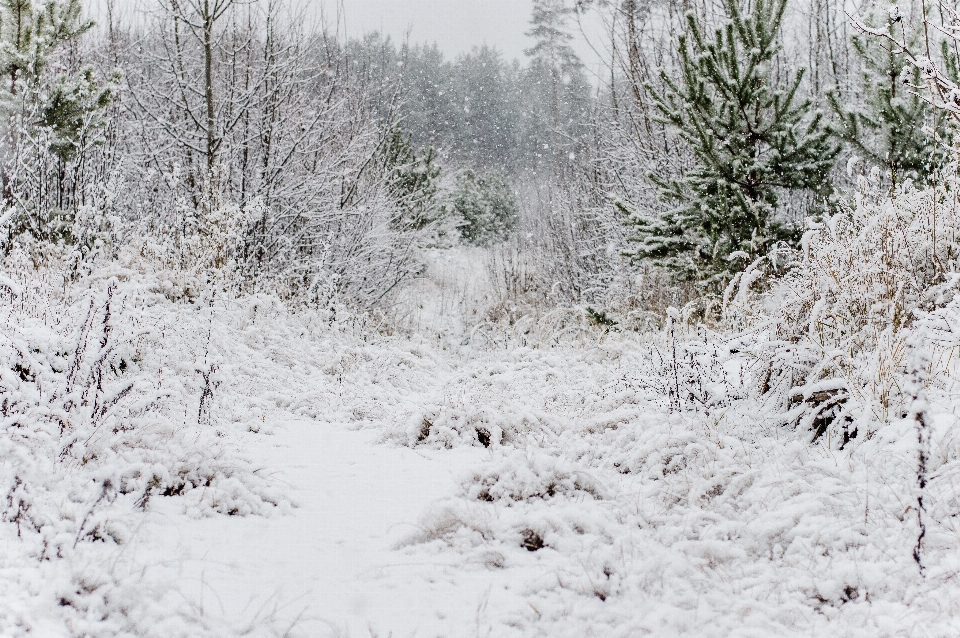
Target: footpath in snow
330, 567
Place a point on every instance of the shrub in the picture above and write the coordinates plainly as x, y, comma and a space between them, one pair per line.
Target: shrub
487, 206
831, 337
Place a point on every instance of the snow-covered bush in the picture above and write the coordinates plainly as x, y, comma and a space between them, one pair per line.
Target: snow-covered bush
520, 477
830, 339
464, 423
79, 401
107, 410
486, 206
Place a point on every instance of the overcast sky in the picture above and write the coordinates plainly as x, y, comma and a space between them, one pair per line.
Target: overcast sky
455, 25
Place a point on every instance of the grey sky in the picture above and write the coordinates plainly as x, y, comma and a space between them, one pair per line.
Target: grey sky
455, 25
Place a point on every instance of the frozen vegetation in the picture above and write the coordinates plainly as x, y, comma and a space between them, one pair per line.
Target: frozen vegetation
302, 336
233, 465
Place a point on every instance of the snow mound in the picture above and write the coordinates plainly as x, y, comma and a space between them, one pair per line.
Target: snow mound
521, 477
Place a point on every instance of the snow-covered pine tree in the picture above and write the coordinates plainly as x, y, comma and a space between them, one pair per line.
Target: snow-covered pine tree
411, 179
886, 127
29, 34
486, 204
487, 105
556, 108
50, 114
751, 140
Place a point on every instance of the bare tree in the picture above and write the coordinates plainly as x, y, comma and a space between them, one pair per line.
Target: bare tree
259, 151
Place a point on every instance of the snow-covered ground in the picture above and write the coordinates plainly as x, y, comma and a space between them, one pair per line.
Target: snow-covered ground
329, 568
502, 481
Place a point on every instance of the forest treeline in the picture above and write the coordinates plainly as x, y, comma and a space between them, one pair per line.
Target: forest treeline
235, 142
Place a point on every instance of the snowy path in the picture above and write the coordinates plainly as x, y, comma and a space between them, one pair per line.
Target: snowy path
329, 568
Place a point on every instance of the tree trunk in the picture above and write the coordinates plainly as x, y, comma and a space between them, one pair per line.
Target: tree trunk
208, 20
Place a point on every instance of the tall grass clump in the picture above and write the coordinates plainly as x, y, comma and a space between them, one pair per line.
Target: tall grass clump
829, 340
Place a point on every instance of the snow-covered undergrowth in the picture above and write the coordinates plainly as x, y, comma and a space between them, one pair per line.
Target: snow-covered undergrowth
789, 476
109, 405
132, 394
794, 476
870, 294
613, 515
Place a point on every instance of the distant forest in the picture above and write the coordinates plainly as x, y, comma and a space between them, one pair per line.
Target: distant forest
480, 109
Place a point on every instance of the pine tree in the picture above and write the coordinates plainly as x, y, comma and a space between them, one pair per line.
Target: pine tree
552, 41
51, 114
483, 84
750, 141
887, 128
487, 206
411, 179
557, 93
29, 34
426, 108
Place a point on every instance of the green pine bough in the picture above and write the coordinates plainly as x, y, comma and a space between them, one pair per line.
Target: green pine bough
751, 140
889, 125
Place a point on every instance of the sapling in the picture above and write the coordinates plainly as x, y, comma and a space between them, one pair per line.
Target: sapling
890, 126
208, 373
673, 315
751, 141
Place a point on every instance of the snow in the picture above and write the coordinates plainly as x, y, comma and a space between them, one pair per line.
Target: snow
331, 566
529, 480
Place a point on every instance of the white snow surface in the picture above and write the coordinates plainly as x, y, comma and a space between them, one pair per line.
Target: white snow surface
508, 484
